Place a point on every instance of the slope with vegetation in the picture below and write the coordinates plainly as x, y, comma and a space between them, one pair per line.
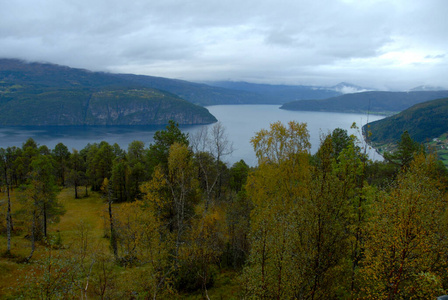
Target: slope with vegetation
425, 122
367, 102
173, 221
27, 106
47, 77
43, 94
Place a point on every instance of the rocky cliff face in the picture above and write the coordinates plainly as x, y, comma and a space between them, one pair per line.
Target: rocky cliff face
143, 107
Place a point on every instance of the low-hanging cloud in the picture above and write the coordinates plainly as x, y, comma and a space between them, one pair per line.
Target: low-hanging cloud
384, 44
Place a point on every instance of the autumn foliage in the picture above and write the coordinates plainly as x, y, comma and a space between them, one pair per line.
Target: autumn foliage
174, 220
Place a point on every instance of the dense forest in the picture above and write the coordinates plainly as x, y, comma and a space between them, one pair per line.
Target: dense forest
423, 121
173, 220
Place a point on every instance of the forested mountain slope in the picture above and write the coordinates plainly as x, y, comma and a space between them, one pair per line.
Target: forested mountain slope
44, 76
212, 93
44, 94
374, 102
423, 122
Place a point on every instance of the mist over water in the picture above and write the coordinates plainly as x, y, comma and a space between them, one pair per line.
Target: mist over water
240, 121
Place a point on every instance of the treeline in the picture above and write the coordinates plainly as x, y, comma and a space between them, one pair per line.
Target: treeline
333, 225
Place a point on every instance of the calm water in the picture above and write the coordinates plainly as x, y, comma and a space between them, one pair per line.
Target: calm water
241, 123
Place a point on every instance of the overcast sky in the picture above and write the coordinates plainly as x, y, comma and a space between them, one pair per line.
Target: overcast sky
393, 44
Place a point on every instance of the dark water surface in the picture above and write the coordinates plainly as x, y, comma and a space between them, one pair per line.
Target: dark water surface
241, 123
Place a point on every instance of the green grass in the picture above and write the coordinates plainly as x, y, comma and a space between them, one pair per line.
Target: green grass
88, 209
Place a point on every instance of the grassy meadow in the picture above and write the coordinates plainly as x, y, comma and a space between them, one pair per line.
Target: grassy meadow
85, 219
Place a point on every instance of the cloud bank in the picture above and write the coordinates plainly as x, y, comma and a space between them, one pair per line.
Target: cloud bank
382, 44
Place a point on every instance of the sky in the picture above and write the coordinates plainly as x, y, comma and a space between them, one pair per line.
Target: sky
386, 45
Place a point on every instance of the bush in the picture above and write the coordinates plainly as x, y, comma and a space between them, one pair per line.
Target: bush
190, 276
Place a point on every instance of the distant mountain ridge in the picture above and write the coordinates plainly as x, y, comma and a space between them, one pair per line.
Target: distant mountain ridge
212, 93
372, 101
278, 94
197, 93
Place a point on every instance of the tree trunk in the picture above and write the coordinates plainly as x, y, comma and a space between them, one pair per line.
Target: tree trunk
45, 220
8, 220
113, 239
76, 190
33, 237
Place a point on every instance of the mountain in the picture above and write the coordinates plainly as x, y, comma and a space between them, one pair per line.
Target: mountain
373, 102
278, 94
51, 95
201, 94
424, 122
51, 75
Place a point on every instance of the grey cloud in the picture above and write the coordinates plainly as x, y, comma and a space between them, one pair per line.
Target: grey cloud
281, 41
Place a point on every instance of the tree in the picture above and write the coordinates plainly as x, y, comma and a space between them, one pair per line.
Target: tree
238, 175
6, 165
106, 188
61, 156
99, 163
404, 255
210, 148
172, 195
277, 189
281, 143
204, 245
77, 174
22, 163
183, 188
406, 149
163, 139
41, 192
339, 155
137, 168
140, 244
302, 216
119, 180
330, 220
340, 140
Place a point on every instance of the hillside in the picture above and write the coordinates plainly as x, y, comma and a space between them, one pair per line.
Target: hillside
37, 94
38, 106
196, 93
45, 75
374, 102
209, 93
424, 122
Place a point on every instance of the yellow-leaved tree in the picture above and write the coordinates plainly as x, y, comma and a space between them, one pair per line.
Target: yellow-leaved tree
140, 246
277, 190
304, 212
405, 255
